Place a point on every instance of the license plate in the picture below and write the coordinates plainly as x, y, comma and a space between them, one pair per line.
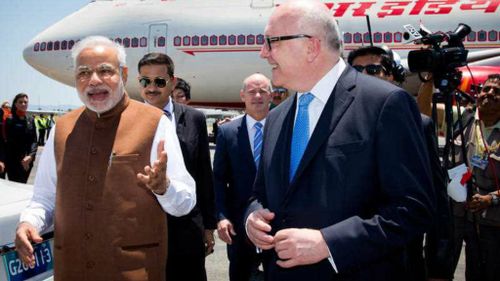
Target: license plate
17, 271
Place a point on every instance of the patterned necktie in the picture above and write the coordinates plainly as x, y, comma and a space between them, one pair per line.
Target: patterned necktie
168, 114
300, 135
257, 143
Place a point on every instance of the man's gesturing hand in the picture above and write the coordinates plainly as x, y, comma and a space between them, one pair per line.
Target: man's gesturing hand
155, 178
25, 234
303, 246
257, 228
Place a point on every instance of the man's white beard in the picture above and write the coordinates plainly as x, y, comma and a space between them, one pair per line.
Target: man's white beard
108, 104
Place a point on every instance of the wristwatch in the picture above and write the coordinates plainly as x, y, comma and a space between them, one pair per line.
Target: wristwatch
494, 199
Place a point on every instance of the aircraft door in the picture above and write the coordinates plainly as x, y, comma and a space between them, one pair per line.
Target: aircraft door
158, 38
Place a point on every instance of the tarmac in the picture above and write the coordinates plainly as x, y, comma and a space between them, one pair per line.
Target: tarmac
217, 263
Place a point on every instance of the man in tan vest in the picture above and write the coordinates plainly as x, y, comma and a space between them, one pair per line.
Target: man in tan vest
106, 172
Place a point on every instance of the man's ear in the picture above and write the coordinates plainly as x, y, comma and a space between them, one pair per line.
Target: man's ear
124, 74
313, 48
242, 95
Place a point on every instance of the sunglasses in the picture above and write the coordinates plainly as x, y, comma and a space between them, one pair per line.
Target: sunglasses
159, 82
371, 69
487, 89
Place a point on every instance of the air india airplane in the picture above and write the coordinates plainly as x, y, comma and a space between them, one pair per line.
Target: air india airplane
215, 44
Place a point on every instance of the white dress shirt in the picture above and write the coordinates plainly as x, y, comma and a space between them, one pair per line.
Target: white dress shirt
179, 199
251, 129
321, 92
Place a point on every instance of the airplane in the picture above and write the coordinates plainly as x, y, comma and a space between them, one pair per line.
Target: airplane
215, 44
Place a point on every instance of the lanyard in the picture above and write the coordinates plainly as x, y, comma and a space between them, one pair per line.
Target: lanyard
491, 161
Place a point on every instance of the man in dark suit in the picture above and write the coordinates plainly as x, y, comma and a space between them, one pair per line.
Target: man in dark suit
190, 238
344, 181
437, 264
239, 143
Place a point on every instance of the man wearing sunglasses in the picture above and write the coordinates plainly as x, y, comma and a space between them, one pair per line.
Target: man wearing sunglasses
109, 172
343, 182
191, 236
437, 265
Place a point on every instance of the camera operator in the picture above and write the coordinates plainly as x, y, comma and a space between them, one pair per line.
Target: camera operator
379, 62
477, 221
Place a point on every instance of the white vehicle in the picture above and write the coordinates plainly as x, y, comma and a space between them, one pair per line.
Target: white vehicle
215, 44
14, 198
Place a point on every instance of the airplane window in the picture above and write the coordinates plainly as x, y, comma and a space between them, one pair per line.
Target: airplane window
70, 44
56, 45
144, 41
204, 40
161, 41
377, 37
241, 39
387, 37
472, 36
232, 40
186, 41
64, 45
135, 42
481, 35
347, 37
118, 40
177, 41
357, 37
213, 40
398, 37
43, 46
49, 46
126, 42
492, 35
36, 47
196, 40
260, 39
223, 40
251, 39
366, 37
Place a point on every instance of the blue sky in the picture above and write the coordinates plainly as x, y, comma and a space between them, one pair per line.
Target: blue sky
20, 21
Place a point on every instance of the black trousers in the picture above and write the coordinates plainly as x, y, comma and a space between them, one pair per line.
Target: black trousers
243, 258
186, 250
465, 231
16, 172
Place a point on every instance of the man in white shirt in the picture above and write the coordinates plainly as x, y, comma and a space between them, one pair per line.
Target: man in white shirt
104, 179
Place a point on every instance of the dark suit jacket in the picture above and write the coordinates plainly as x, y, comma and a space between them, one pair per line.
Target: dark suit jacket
364, 181
193, 138
234, 171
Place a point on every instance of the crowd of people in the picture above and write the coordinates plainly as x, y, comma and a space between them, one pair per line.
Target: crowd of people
332, 173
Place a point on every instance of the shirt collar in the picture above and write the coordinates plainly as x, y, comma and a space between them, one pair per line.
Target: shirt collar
251, 122
324, 88
169, 106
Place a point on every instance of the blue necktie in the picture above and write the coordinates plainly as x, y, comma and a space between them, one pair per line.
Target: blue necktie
300, 135
257, 143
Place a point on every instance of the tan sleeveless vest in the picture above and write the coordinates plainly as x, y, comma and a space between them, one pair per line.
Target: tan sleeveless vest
107, 225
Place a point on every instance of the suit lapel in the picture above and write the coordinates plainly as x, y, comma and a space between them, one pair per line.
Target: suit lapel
244, 143
338, 102
179, 118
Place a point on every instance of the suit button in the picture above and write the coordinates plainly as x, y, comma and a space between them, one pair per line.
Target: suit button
91, 178
89, 206
90, 264
93, 150
88, 236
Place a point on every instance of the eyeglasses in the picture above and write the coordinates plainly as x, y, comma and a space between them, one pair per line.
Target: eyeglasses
371, 69
487, 89
159, 82
104, 71
271, 39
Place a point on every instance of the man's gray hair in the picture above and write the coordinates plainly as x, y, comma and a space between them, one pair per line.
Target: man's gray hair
313, 17
94, 41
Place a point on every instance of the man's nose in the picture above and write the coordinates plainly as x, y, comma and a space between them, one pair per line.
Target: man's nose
95, 79
264, 51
